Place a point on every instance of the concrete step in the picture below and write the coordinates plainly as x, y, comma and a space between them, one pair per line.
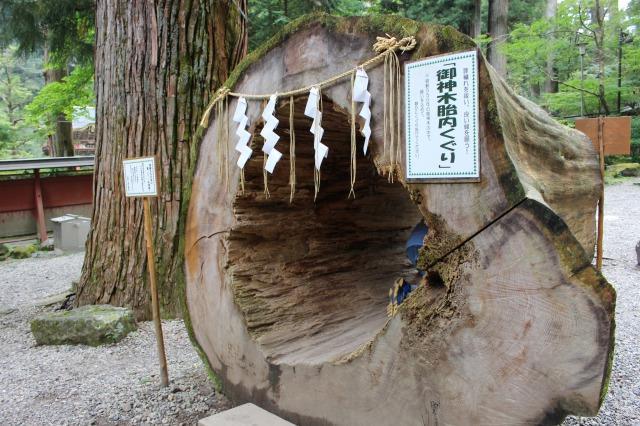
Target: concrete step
244, 415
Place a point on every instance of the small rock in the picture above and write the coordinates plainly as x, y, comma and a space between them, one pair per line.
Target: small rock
23, 252
91, 325
6, 310
630, 172
47, 245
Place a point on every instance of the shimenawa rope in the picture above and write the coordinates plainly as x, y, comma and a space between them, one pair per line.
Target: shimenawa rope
386, 48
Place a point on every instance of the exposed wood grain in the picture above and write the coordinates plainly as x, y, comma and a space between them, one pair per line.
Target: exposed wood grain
287, 301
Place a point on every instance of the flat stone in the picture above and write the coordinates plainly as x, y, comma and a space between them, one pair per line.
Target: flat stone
5, 310
244, 415
91, 325
23, 252
54, 299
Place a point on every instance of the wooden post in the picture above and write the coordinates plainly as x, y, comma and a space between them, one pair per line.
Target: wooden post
40, 221
601, 201
155, 306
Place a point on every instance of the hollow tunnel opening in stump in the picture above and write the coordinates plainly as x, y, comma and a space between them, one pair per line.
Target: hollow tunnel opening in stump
287, 301
312, 278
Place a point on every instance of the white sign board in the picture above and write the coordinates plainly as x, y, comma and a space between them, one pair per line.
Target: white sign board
140, 177
441, 118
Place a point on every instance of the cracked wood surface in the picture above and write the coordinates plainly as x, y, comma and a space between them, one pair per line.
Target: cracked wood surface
288, 305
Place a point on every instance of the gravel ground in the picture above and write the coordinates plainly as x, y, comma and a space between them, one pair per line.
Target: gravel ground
113, 384
118, 384
621, 233
23, 282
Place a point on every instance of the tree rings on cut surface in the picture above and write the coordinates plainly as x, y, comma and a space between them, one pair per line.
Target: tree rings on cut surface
288, 300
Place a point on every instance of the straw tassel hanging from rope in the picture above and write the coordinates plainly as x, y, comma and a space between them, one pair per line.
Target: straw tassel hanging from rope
223, 138
353, 169
386, 48
391, 125
292, 149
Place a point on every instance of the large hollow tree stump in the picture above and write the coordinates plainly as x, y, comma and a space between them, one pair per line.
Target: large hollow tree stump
287, 301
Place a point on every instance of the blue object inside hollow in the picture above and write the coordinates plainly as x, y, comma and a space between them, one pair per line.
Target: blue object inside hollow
415, 242
413, 246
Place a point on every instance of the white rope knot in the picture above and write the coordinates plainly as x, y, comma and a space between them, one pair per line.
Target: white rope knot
389, 44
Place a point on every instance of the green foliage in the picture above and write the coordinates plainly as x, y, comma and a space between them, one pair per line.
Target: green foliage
75, 90
61, 31
65, 28
530, 46
635, 139
267, 17
20, 79
457, 13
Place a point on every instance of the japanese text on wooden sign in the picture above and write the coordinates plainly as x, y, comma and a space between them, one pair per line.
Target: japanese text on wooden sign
441, 118
140, 177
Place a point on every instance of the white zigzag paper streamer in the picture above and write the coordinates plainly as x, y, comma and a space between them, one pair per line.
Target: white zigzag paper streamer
311, 111
270, 137
242, 146
361, 94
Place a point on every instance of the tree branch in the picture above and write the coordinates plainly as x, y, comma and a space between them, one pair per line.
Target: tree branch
554, 79
582, 23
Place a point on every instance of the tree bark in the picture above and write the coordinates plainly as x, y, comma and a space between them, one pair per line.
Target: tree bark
156, 64
62, 140
498, 30
476, 21
288, 300
598, 18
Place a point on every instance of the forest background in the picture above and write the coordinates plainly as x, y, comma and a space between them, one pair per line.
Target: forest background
46, 54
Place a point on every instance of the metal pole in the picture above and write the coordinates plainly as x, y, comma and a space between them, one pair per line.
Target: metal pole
40, 220
582, 84
620, 37
155, 306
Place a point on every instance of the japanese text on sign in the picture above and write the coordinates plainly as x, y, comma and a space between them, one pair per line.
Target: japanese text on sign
441, 117
140, 177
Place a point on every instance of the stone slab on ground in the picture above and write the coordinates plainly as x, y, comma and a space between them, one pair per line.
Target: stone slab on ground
244, 415
91, 325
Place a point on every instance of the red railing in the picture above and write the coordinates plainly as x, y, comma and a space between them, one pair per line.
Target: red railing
31, 192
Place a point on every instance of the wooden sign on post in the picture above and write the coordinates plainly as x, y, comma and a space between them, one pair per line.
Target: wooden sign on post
140, 181
441, 118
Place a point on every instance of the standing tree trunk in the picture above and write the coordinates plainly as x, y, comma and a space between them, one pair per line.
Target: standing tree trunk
498, 30
156, 63
551, 82
476, 22
598, 18
62, 140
